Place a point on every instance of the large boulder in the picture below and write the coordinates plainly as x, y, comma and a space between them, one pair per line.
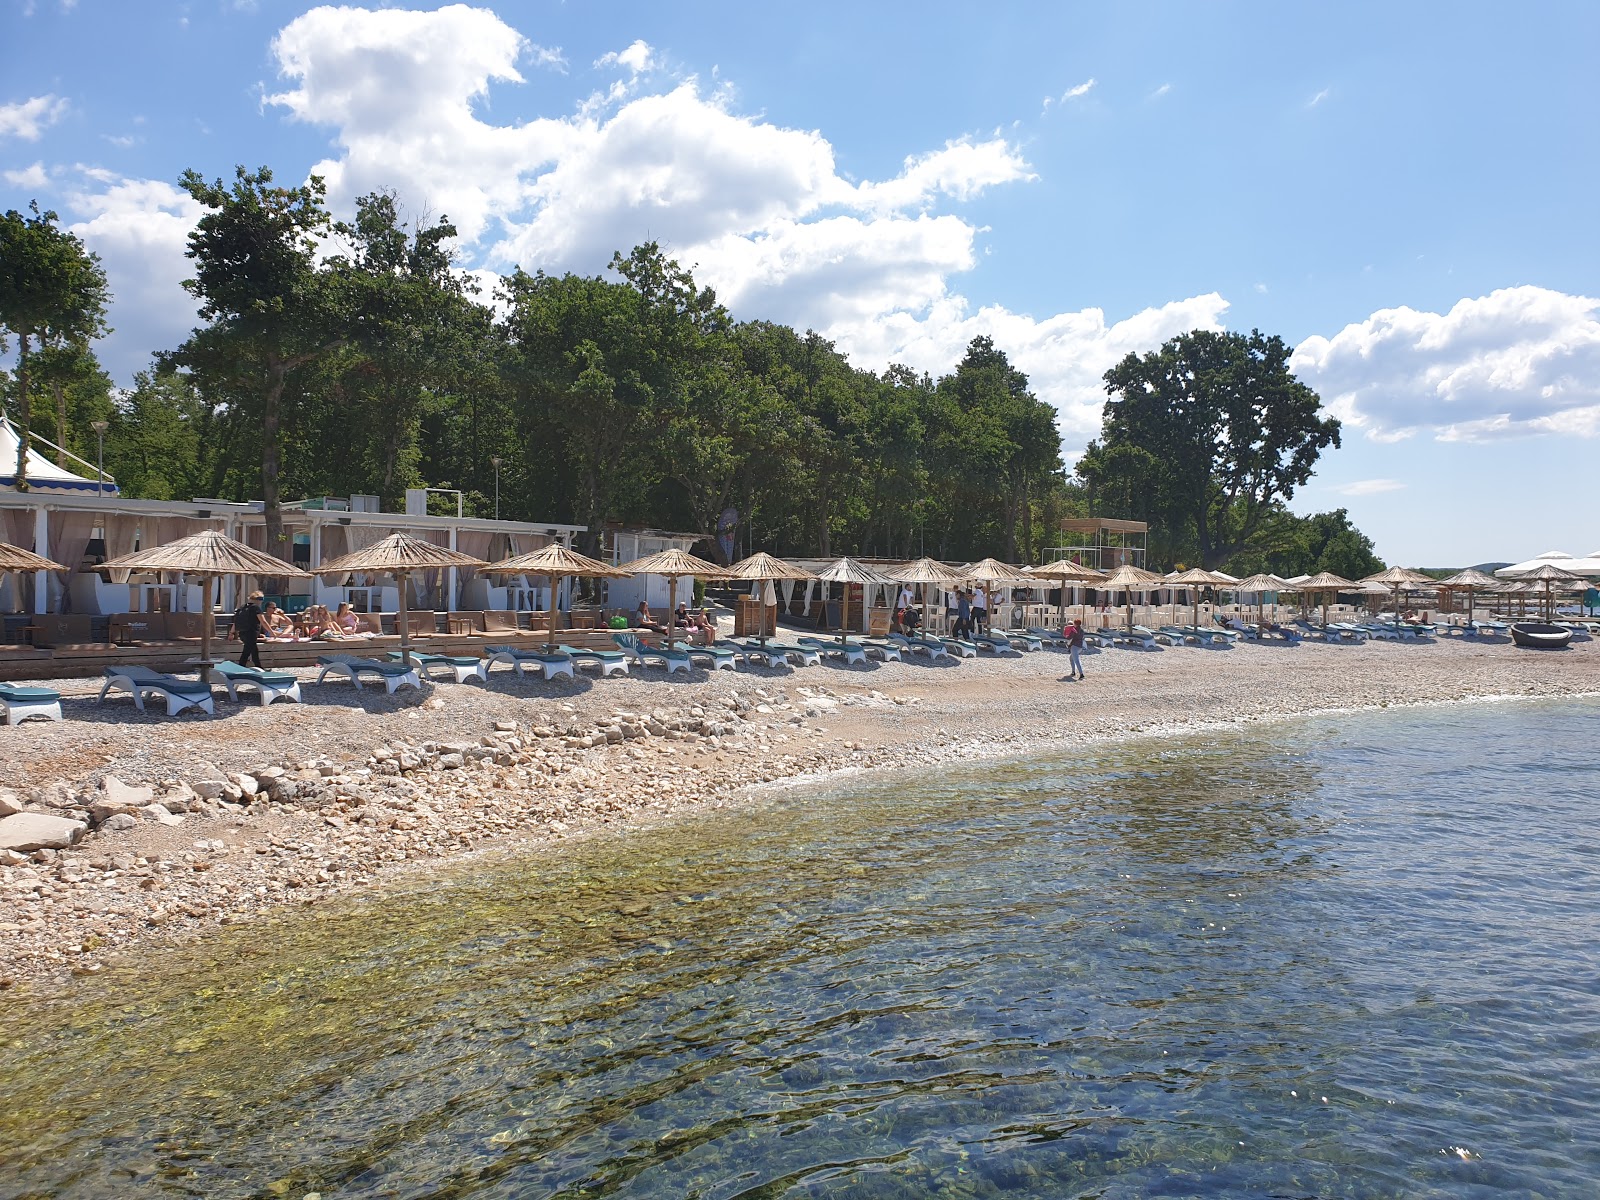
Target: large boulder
24, 832
10, 805
125, 796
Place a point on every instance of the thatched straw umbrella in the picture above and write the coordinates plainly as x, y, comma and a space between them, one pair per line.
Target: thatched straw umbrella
674, 564
1258, 586
15, 558
762, 567
921, 574
1400, 578
207, 554
1471, 579
555, 562
399, 554
1129, 579
1064, 572
847, 570
1324, 582
997, 574
1549, 575
1195, 578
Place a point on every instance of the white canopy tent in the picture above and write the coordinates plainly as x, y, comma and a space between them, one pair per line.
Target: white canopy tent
1589, 565
43, 475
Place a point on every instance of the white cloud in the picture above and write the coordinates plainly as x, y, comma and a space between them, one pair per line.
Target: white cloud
140, 230
1082, 89
1368, 487
1517, 362
1319, 97
638, 58
1161, 91
33, 177
28, 119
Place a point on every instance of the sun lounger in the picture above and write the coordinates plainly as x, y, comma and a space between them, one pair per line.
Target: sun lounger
459, 667
753, 651
20, 703
645, 655
610, 662
522, 661
1023, 639
1210, 638
269, 685
717, 658
959, 647
392, 675
881, 648
807, 657
1046, 637
934, 648
178, 694
851, 652
994, 643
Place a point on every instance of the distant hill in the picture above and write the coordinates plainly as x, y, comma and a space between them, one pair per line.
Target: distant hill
1446, 572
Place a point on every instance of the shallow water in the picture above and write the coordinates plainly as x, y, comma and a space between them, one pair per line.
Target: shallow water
1335, 957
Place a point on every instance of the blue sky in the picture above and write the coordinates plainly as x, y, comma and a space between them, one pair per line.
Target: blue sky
1405, 193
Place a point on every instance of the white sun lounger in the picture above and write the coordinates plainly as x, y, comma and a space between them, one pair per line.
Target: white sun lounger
141, 682
20, 703
523, 661
393, 675
268, 685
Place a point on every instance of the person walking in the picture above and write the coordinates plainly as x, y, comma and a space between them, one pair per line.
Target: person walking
980, 609
1074, 633
247, 628
963, 625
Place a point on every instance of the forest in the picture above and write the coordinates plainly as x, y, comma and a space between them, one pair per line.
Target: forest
354, 357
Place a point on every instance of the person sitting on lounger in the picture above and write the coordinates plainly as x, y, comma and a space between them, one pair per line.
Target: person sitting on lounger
643, 620
346, 623
278, 624
910, 618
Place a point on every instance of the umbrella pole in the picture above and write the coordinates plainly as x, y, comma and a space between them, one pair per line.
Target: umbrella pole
405, 625
672, 607
550, 645
209, 619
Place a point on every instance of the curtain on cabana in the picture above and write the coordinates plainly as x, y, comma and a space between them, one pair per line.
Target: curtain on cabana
69, 538
121, 533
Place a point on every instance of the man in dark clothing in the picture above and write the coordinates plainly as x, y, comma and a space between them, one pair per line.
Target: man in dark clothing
247, 628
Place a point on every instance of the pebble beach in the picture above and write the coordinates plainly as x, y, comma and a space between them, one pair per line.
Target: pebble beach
165, 828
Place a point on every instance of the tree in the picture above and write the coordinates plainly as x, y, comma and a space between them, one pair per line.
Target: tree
52, 295
271, 308
1217, 431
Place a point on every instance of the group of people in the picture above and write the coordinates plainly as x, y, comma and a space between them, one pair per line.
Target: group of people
693, 625
260, 620
971, 612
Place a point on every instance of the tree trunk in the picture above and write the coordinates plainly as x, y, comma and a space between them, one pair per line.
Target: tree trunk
1027, 522
272, 455
61, 422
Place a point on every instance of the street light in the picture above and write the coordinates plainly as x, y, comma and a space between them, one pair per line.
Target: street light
495, 459
99, 428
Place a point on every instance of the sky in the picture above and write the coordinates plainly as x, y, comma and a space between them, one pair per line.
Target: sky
1406, 194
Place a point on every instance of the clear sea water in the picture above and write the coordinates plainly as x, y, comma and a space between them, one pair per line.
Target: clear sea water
1354, 956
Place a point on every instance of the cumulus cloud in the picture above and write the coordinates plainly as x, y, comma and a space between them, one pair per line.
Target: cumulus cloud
1517, 362
31, 177
140, 230
28, 119
1368, 487
638, 58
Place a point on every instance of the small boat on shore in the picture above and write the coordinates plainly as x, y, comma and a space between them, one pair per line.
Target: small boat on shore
1541, 637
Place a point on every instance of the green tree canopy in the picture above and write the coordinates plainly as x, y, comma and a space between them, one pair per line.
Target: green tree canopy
1212, 431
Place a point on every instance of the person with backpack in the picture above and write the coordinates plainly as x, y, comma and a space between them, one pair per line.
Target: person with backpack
247, 628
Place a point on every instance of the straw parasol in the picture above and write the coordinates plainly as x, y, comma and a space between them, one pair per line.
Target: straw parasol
1129, 579
923, 572
1259, 585
1324, 582
674, 564
1549, 575
1400, 579
556, 563
1195, 578
399, 554
15, 558
1472, 579
207, 554
1064, 571
762, 567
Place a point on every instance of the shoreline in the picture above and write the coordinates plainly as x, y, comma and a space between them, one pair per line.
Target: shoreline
357, 792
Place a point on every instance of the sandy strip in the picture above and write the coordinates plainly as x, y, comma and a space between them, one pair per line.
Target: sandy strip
464, 770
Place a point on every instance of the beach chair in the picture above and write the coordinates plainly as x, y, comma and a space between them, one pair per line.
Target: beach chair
1023, 639
958, 647
1138, 636
610, 662
645, 655
805, 655
881, 648
1210, 638
393, 675
20, 703
178, 694
268, 685
753, 651
714, 657
522, 661
932, 647
1047, 637
994, 643
459, 667
851, 652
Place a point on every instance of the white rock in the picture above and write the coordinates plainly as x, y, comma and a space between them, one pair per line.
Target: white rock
160, 813
23, 832
9, 804
121, 793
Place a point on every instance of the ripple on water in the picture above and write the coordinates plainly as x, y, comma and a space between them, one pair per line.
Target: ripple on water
1350, 956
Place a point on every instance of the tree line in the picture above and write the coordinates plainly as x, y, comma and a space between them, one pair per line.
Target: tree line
351, 357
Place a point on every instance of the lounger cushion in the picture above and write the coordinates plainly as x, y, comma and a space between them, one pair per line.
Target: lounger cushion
26, 695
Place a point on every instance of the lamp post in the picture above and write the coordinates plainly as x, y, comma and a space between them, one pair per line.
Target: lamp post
99, 428
495, 459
